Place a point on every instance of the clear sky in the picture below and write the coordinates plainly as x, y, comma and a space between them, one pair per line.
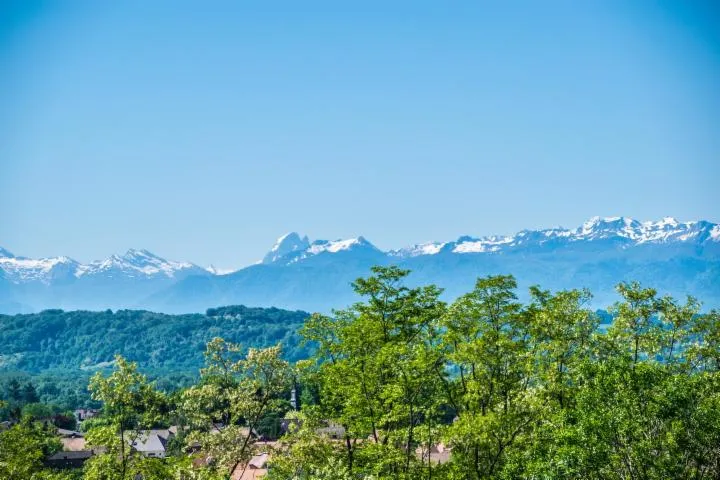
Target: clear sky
204, 130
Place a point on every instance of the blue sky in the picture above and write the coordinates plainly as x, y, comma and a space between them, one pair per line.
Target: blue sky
203, 133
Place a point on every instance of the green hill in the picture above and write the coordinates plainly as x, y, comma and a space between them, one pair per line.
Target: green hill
84, 341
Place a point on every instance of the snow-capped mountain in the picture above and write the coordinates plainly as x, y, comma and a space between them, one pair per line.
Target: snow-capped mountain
290, 248
119, 281
626, 231
288, 244
134, 263
22, 269
675, 257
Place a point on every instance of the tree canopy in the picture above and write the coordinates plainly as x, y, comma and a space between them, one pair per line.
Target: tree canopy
402, 385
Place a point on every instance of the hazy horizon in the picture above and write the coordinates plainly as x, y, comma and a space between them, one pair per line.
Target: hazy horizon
205, 134
222, 269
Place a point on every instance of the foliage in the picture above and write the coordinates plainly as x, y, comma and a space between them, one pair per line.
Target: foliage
130, 406
234, 395
82, 341
59, 351
516, 391
543, 389
23, 449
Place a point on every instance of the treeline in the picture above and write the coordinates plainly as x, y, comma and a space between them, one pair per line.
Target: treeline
483, 388
18, 399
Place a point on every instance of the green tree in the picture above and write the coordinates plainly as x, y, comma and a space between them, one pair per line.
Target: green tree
130, 405
377, 369
29, 394
225, 410
634, 331
487, 335
23, 449
37, 411
14, 390
704, 350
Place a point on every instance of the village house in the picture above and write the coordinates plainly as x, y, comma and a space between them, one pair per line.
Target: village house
151, 443
82, 414
438, 454
72, 441
65, 460
65, 433
332, 430
256, 468
329, 428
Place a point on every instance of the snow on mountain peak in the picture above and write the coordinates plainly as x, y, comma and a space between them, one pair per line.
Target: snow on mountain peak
428, 248
715, 233
21, 269
285, 245
134, 262
596, 228
219, 271
141, 258
290, 248
142, 253
335, 246
481, 245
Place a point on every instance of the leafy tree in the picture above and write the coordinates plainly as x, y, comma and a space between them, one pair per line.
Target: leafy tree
377, 367
29, 394
225, 410
14, 391
130, 405
37, 411
487, 337
304, 454
634, 332
23, 449
704, 351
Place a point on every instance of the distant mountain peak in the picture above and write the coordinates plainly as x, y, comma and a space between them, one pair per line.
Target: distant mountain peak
624, 229
134, 252
141, 257
135, 262
334, 246
290, 248
22, 269
683, 257
285, 245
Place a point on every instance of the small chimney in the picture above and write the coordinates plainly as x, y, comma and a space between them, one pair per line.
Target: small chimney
293, 397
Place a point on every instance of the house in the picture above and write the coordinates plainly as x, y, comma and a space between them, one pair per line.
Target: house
256, 468
68, 459
439, 453
71, 440
73, 444
151, 443
64, 433
331, 430
82, 414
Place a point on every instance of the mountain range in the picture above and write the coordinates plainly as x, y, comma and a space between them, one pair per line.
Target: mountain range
675, 257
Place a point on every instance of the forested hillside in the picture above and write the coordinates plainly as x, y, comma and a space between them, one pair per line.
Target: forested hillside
82, 341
